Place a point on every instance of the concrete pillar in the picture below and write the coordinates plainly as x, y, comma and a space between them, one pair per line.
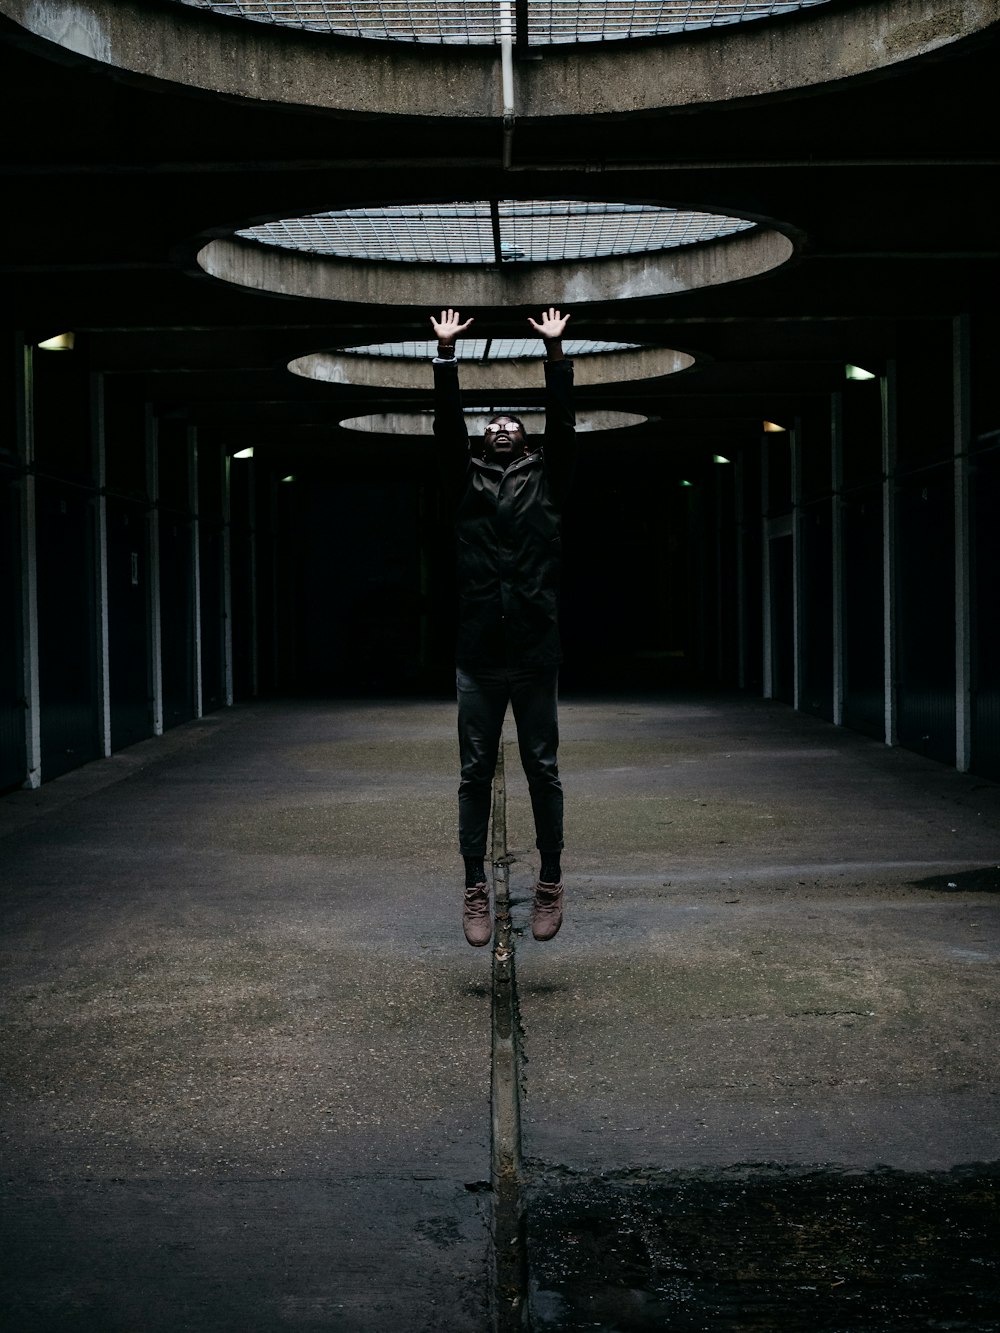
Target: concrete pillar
837, 542
961, 397
192, 467
24, 417
102, 632
153, 566
889, 388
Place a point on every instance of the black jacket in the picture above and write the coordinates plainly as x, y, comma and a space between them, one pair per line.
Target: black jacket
507, 528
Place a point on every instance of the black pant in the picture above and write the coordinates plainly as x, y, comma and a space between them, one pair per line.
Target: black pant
483, 696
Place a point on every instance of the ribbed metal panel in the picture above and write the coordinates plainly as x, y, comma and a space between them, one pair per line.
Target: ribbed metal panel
782, 620
12, 759
985, 496
128, 622
176, 617
242, 561
864, 650
925, 589
817, 610
66, 642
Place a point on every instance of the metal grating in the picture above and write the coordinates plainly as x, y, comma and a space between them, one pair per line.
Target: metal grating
479, 22
467, 233
487, 349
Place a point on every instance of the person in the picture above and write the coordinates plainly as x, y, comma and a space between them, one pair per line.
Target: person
508, 493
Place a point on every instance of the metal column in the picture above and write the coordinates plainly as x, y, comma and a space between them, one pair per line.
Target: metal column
153, 567
24, 409
837, 543
961, 397
192, 464
102, 637
889, 389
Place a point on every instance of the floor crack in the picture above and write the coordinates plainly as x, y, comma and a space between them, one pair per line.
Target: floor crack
509, 1296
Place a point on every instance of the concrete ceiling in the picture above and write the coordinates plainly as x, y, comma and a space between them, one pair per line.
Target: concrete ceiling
114, 180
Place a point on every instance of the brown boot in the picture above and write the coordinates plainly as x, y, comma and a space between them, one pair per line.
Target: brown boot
546, 916
476, 920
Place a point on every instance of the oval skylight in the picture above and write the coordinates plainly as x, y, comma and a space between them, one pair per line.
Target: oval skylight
495, 231
482, 22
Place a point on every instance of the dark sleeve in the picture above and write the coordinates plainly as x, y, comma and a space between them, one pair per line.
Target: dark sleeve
451, 437
559, 451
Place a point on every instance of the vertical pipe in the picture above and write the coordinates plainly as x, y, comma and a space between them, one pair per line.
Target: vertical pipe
889, 389
25, 414
507, 78
155, 638
227, 581
192, 467
837, 554
103, 635
961, 379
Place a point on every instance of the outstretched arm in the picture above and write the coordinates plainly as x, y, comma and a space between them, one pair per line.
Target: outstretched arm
559, 452
451, 436
550, 329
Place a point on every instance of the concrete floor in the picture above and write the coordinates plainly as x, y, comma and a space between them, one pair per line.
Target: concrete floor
248, 1050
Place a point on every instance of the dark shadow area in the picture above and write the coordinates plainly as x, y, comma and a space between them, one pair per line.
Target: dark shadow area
984, 879
758, 1248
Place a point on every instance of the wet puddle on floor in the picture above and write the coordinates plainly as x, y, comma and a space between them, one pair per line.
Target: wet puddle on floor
763, 1249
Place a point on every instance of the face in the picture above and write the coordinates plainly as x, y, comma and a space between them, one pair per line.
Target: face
503, 440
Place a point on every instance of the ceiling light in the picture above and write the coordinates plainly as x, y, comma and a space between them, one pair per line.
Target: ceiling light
718, 458
244, 453
60, 342
771, 426
290, 477
687, 483
858, 373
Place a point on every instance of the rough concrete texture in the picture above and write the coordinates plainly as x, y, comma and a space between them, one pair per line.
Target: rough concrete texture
267, 268
739, 61
247, 1048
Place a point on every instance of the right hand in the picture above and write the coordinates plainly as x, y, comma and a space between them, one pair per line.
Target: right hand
449, 326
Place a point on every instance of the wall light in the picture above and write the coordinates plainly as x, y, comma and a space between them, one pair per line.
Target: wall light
290, 477
244, 453
687, 483
59, 342
718, 458
858, 373
770, 426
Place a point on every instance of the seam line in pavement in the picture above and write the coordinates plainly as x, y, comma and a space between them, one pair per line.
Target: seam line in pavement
510, 1261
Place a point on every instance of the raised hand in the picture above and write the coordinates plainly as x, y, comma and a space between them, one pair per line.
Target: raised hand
449, 326
552, 324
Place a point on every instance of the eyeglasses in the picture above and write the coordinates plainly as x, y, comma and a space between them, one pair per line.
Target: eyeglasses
505, 426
